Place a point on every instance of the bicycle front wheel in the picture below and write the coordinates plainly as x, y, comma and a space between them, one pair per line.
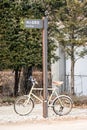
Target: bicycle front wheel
62, 105
23, 105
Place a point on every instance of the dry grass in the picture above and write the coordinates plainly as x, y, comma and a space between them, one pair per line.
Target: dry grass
80, 101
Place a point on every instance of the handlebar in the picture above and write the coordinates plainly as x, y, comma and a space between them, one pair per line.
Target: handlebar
33, 80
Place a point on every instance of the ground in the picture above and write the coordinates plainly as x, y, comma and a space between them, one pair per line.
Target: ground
57, 125
77, 119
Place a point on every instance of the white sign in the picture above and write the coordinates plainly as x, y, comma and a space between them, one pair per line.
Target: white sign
36, 23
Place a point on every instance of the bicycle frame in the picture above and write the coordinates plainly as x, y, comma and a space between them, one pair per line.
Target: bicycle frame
53, 90
61, 104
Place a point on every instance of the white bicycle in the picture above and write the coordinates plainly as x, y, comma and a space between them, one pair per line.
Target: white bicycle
61, 104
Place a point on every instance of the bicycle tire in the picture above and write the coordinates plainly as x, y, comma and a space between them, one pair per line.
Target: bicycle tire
23, 105
62, 105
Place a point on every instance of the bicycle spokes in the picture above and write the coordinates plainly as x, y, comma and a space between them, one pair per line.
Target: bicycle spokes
62, 105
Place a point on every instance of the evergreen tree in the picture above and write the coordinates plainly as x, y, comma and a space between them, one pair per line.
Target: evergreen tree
21, 47
71, 32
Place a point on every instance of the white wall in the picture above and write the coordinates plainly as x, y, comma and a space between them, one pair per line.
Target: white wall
81, 75
58, 68
55, 69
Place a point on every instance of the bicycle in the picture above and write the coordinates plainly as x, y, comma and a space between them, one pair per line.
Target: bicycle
61, 104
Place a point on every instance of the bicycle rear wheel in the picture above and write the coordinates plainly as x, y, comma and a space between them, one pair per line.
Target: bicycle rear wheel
23, 105
62, 105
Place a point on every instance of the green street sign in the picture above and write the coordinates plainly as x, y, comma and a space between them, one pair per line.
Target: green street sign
33, 23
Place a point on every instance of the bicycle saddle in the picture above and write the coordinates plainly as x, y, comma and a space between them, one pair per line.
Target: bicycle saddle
57, 83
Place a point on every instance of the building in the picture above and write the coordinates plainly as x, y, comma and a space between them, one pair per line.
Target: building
61, 71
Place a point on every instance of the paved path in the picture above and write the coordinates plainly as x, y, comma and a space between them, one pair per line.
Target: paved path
56, 125
7, 115
76, 120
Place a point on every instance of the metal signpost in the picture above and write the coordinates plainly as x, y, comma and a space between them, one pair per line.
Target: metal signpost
45, 74
37, 23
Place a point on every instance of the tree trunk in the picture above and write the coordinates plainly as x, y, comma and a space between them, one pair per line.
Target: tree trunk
26, 84
72, 78
17, 77
72, 71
